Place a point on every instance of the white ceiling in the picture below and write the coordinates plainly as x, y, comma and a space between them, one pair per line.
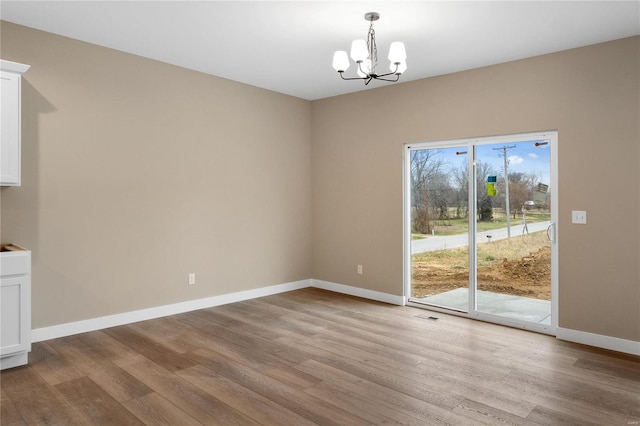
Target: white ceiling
287, 46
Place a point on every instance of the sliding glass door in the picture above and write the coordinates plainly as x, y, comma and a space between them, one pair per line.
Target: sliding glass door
480, 238
439, 211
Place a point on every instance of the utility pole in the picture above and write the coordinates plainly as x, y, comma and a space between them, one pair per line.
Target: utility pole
506, 184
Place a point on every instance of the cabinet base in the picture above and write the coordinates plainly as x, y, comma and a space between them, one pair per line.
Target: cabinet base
16, 360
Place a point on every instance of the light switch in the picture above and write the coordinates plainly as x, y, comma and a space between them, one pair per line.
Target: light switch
579, 217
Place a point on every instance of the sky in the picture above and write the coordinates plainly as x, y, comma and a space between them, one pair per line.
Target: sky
523, 157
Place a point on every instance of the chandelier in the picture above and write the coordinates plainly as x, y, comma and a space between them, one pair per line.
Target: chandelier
365, 55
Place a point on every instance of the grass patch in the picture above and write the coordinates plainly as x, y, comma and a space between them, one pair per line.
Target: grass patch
461, 226
514, 248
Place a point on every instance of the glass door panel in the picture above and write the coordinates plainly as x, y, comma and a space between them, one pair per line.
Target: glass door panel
513, 248
439, 216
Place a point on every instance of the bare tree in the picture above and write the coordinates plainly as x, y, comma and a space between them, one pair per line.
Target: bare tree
518, 195
521, 188
426, 164
460, 177
440, 194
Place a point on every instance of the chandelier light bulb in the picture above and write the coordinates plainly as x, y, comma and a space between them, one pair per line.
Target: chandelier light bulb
397, 53
359, 51
340, 61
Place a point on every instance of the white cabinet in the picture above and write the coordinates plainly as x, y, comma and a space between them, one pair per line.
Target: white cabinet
15, 305
10, 92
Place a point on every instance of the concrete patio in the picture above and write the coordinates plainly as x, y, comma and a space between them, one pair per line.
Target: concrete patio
517, 307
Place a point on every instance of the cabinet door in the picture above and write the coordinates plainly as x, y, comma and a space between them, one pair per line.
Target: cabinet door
10, 129
15, 319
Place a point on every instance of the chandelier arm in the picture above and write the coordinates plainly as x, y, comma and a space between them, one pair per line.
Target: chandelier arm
386, 79
350, 78
377, 76
367, 74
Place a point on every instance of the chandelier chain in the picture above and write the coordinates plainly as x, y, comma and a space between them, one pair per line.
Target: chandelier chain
373, 48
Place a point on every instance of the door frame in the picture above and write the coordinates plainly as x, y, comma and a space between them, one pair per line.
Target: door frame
470, 143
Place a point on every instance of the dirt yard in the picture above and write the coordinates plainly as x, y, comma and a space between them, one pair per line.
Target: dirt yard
523, 273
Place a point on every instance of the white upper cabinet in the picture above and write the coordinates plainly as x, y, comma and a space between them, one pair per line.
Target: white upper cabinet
10, 92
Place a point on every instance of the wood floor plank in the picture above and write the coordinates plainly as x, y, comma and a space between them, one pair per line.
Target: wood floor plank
212, 316
489, 396
9, 414
248, 340
36, 400
564, 366
304, 405
311, 356
18, 376
115, 381
588, 393
107, 346
169, 332
51, 366
155, 351
487, 415
95, 405
153, 409
251, 404
238, 312
367, 409
582, 401
546, 416
621, 369
271, 365
383, 375
394, 404
458, 376
189, 398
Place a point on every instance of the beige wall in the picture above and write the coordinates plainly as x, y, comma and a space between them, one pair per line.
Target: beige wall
136, 173
590, 95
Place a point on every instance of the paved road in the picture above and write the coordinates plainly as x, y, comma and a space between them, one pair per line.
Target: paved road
441, 242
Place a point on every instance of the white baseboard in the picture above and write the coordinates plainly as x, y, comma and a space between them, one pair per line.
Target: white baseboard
77, 327
68, 329
359, 292
598, 340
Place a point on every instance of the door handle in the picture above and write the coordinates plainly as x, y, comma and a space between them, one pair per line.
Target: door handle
551, 236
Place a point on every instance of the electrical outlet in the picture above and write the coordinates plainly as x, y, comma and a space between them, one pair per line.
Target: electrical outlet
359, 269
192, 279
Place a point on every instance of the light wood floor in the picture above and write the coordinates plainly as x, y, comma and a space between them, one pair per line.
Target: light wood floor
315, 357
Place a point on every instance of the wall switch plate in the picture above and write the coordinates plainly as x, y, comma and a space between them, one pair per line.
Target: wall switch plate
192, 279
359, 269
579, 217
